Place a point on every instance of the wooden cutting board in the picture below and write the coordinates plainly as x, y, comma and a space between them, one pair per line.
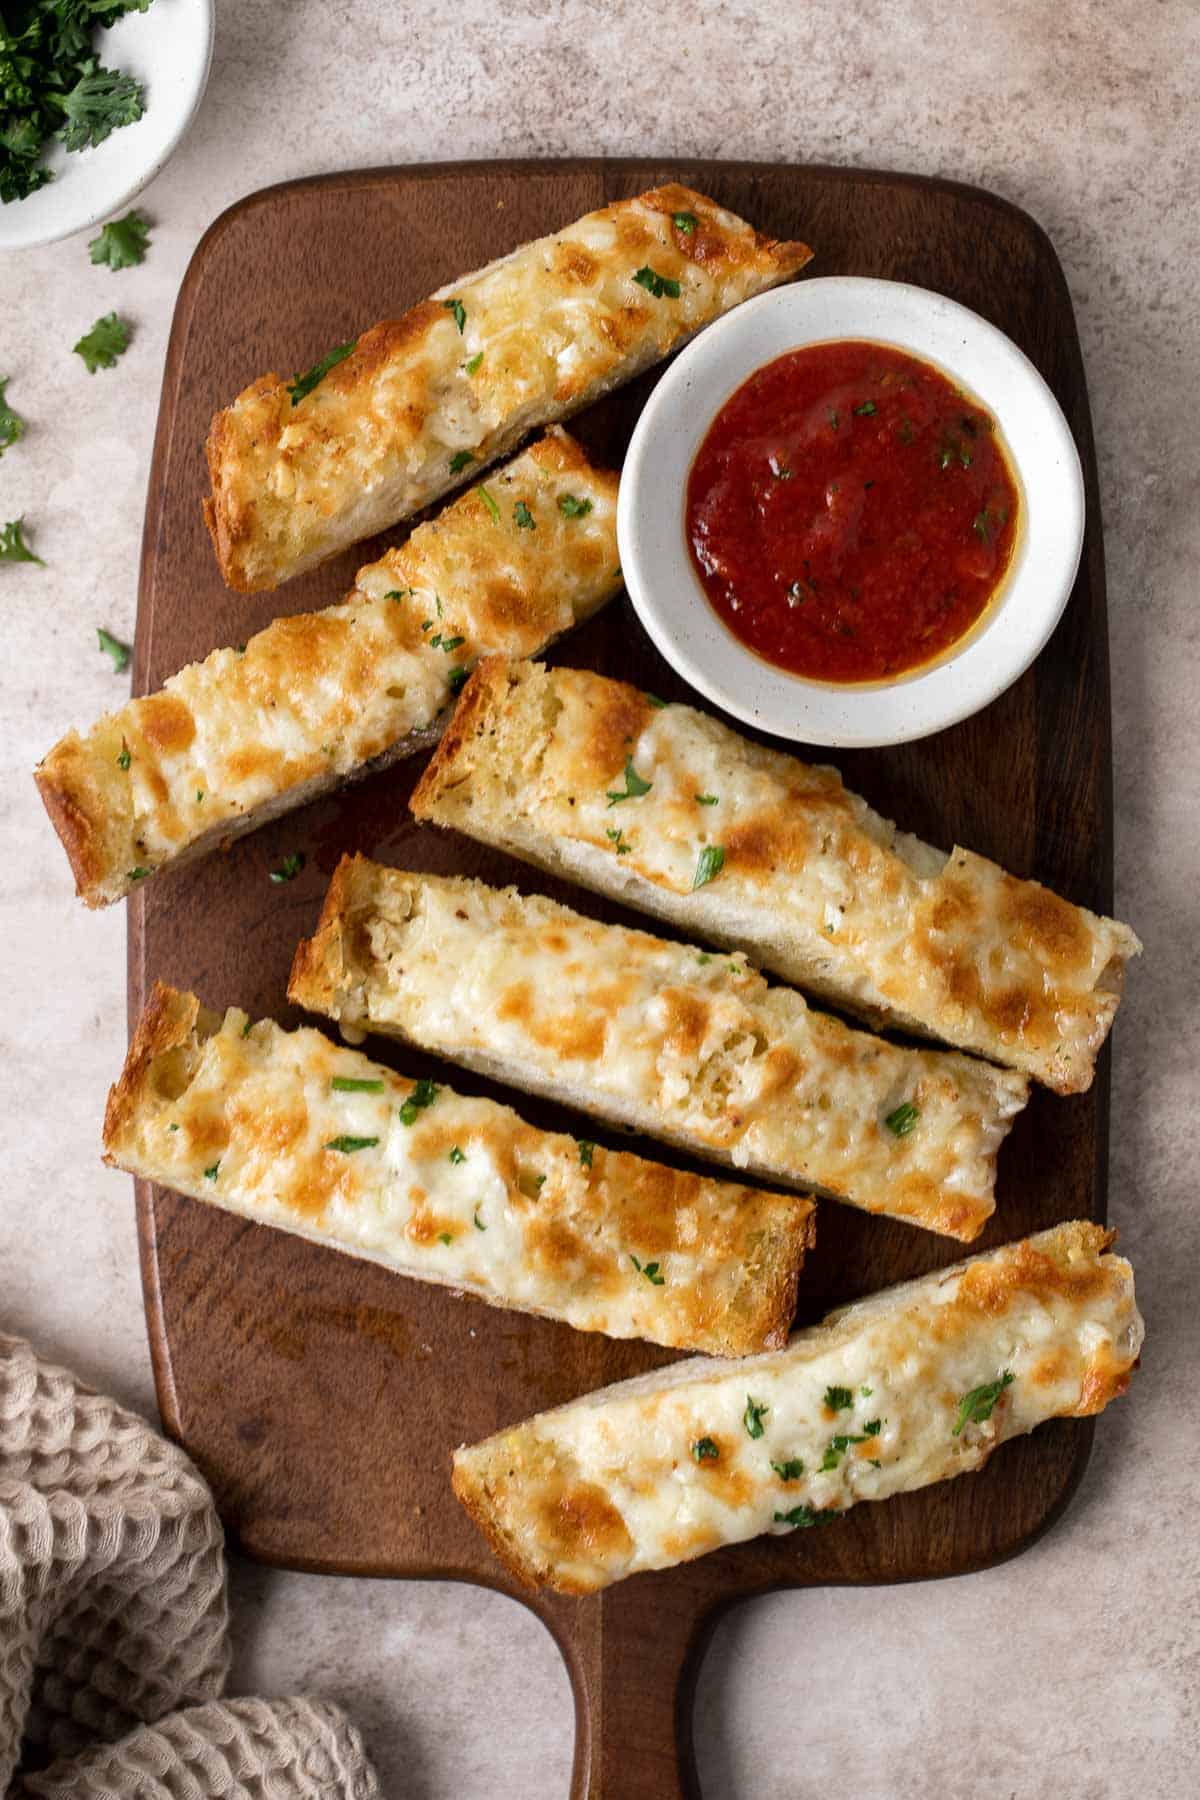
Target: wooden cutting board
322, 1397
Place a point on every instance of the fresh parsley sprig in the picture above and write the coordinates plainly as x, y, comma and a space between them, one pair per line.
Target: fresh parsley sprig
12, 425
121, 243
13, 547
103, 344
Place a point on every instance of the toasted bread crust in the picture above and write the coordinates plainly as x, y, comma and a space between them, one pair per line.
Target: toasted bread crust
662, 1038
816, 886
346, 690
289, 1130
383, 433
906, 1388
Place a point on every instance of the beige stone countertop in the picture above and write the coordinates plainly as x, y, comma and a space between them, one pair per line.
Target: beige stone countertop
1071, 1672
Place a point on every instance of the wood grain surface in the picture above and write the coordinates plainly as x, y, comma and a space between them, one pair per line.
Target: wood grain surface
322, 1397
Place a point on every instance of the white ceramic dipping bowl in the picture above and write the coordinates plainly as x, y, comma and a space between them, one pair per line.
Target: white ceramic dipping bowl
666, 589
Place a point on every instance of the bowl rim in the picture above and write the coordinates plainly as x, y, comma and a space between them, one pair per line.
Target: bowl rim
55, 224
1014, 628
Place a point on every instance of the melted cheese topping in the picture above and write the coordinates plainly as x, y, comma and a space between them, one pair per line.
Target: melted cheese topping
319, 698
447, 1188
909, 1387
679, 1043
818, 887
529, 339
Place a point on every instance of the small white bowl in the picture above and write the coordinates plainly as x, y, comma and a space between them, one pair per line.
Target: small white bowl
666, 589
169, 49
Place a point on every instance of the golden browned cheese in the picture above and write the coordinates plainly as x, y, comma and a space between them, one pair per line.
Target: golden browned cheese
461, 378
291, 1130
909, 1387
684, 1045
740, 845
320, 698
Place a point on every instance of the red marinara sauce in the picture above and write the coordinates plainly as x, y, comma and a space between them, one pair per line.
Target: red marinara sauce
850, 512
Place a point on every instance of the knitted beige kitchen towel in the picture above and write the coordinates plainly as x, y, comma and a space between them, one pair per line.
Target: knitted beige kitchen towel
113, 1614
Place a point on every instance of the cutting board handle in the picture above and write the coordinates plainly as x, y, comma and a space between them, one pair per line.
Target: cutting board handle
633, 1655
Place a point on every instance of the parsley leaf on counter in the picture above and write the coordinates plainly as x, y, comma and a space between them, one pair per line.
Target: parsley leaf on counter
122, 242
101, 346
113, 647
12, 425
13, 547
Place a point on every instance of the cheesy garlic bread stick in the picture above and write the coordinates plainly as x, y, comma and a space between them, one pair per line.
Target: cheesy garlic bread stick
321, 698
672, 811
291, 1130
909, 1387
386, 424
683, 1045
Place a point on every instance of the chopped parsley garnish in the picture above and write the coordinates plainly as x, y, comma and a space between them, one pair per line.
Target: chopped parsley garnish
113, 647
834, 420
460, 313
52, 85
477, 1221
103, 344
706, 800
791, 1470
303, 385
199, 795
661, 286
138, 873
617, 838
649, 1270
571, 507
398, 594
456, 680
753, 1416
805, 1516
357, 1084
586, 1151
981, 526
704, 1450
838, 1447
210, 1174
979, 1404
652, 699
524, 518
12, 425
456, 1155
873, 1427
13, 547
459, 461
901, 1121
685, 222
438, 642
635, 787
711, 862
124, 758
489, 502
866, 1392
122, 242
866, 409
837, 1399
247, 1028
444, 1237
424, 1094
289, 868
348, 1145
472, 363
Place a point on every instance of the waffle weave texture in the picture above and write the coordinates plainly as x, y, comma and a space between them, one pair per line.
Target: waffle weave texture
114, 1625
